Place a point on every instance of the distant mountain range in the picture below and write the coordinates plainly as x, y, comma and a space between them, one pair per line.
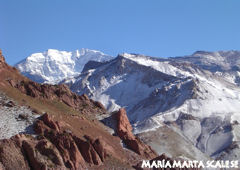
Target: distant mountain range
194, 100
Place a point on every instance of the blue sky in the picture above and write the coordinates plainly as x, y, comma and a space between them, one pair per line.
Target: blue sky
153, 27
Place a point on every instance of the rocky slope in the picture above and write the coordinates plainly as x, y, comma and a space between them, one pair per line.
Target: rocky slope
53, 66
57, 147
15, 119
60, 93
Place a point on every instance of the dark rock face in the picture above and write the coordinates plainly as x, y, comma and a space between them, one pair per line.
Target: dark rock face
100, 105
124, 131
10, 104
92, 65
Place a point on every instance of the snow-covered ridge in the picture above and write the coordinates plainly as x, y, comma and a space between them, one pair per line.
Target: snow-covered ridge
53, 65
199, 104
213, 61
162, 66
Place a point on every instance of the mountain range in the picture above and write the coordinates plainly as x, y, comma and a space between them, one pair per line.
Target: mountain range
194, 99
46, 126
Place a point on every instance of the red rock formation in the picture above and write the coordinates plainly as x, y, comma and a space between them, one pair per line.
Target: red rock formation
54, 148
68, 149
48, 149
124, 128
124, 131
60, 92
36, 157
26, 152
2, 59
88, 152
76, 152
63, 142
11, 155
49, 122
40, 127
103, 149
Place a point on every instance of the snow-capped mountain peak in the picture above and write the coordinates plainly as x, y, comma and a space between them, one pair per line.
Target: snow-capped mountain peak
53, 65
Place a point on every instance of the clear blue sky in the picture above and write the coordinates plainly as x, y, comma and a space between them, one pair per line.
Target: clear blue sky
153, 27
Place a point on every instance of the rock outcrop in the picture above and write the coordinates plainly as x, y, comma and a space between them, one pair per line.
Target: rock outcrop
2, 60
124, 131
26, 152
11, 155
124, 128
58, 92
42, 154
76, 151
87, 150
54, 147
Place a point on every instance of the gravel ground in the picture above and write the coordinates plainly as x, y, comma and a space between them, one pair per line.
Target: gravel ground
14, 119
